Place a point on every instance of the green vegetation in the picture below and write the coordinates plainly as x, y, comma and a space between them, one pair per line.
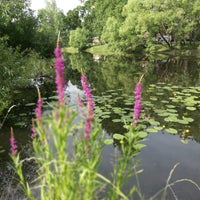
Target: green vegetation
68, 164
124, 26
102, 50
70, 50
135, 25
68, 153
19, 70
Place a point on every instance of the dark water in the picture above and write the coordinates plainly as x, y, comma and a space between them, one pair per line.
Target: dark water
113, 80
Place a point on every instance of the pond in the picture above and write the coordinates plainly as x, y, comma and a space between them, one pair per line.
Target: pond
171, 104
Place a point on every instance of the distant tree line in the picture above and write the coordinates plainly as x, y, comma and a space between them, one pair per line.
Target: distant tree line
124, 25
127, 25
24, 29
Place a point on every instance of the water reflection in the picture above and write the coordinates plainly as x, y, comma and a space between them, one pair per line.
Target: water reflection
116, 72
163, 151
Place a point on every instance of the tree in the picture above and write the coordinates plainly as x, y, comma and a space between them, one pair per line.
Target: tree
71, 22
79, 38
110, 33
95, 13
17, 23
50, 22
174, 22
103, 10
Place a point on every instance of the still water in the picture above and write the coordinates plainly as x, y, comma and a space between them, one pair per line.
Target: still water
113, 80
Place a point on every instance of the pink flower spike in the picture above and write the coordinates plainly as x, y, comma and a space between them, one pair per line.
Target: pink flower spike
33, 129
13, 144
59, 66
138, 102
88, 93
80, 102
38, 109
90, 106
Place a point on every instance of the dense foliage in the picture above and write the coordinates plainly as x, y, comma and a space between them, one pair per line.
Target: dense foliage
127, 25
124, 25
25, 29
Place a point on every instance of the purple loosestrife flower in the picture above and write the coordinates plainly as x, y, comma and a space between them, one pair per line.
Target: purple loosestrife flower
88, 94
59, 66
38, 109
38, 113
88, 124
33, 129
90, 106
138, 102
80, 103
13, 144
81, 106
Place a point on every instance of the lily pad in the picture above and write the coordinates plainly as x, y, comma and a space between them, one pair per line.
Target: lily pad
151, 130
108, 141
171, 130
153, 122
171, 119
191, 108
164, 114
182, 121
159, 128
171, 110
142, 134
189, 119
116, 120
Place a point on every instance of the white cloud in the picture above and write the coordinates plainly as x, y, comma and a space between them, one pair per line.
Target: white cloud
64, 5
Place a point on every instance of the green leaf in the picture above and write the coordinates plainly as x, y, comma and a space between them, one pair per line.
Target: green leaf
139, 146
171, 130
182, 121
188, 119
118, 136
160, 93
170, 106
151, 130
159, 111
105, 116
108, 141
164, 101
116, 120
142, 134
171, 110
184, 141
153, 122
170, 119
159, 128
163, 114
154, 98
190, 108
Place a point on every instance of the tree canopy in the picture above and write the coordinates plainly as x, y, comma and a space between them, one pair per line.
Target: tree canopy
125, 25
129, 24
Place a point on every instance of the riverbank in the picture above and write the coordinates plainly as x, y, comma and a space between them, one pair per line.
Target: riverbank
97, 49
105, 50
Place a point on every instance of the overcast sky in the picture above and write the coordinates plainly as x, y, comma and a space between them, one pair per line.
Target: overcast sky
65, 5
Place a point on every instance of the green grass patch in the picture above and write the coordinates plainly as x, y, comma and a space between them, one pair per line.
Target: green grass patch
102, 50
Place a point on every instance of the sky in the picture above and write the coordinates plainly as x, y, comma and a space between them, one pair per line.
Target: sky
64, 5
